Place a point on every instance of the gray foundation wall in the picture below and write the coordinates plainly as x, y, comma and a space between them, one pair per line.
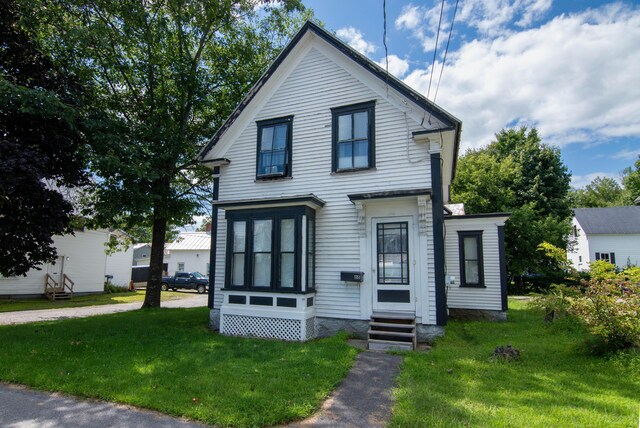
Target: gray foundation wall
326, 327
477, 314
214, 319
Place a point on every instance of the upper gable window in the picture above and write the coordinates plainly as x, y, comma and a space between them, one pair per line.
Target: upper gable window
353, 137
274, 148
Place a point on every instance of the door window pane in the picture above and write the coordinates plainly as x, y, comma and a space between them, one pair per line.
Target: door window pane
393, 254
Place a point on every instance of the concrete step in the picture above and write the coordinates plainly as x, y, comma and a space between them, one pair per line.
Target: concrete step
389, 345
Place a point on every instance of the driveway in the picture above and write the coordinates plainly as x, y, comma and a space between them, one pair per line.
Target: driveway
21, 407
23, 317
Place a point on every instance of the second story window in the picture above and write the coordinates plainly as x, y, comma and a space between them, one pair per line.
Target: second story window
274, 148
353, 137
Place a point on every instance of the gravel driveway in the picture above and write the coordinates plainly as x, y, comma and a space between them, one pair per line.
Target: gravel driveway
22, 317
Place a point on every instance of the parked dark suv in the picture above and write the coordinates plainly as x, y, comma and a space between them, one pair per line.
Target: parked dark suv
188, 280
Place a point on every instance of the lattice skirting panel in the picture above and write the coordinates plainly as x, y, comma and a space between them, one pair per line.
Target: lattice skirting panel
270, 328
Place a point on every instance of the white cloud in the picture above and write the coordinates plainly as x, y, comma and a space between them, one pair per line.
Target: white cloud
575, 78
354, 38
493, 17
579, 181
397, 66
423, 23
627, 154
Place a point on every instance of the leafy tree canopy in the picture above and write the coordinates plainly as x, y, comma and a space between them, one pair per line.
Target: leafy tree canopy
631, 183
165, 75
519, 174
607, 192
41, 141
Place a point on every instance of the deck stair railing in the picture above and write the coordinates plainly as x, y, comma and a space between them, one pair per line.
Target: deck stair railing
58, 291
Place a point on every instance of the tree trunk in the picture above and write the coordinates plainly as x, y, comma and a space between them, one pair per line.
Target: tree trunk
152, 297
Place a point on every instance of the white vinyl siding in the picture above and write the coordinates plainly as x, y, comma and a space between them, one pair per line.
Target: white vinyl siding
309, 92
488, 298
193, 260
625, 247
85, 265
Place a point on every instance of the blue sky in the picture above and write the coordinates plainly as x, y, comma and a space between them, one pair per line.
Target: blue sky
570, 68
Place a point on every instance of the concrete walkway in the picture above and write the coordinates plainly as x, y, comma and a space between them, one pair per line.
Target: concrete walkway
22, 317
364, 397
24, 408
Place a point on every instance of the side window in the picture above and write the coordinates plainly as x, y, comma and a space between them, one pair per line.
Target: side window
181, 267
471, 261
353, 130
274, 148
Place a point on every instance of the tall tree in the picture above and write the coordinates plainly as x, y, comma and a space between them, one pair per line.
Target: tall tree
601, 192
167, 73
519, 174
41, 142
631, 183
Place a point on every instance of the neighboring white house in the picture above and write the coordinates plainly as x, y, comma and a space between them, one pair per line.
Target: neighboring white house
81, 258
141, 254
188, 253
611, 234
329, 212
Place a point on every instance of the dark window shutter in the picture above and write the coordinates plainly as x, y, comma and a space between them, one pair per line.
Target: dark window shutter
612, 258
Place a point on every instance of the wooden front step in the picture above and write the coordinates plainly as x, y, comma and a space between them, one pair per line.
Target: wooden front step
389, 331
59, 296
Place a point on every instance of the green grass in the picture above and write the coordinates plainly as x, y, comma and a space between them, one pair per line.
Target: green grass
12, 305
556, 383
168, 360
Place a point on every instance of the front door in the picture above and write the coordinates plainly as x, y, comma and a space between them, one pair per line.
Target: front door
56, 270
393, 264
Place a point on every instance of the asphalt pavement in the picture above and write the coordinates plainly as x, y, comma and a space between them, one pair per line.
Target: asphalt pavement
21, 407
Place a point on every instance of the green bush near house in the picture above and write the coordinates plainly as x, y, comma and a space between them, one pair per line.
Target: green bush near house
554, 383
168, 360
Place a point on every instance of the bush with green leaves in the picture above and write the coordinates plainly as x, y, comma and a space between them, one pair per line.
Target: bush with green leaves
602, 269
557, 302
610, 309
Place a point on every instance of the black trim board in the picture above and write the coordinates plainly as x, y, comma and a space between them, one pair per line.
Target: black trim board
261, 300
389, 194
418, 99
272, 202
503, 268
286, 302
394, 296
484, 215
437, 206
214, 239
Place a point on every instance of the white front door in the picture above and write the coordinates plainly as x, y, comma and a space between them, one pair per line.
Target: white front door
393, 261
56, 269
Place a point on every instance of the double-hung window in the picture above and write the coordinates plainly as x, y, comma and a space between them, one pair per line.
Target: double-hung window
274, 148
471, 263
353, 129
265, 249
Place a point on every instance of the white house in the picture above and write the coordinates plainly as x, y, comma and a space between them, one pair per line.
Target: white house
188, 253
81, 259
331, 182
611, 234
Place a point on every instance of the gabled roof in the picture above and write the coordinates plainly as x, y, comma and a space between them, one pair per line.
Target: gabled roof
191, 241
609, 221
438, 113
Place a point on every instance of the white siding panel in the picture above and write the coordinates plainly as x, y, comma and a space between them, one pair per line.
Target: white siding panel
488, 298
194, 260
625, 247
119, 266
85, 265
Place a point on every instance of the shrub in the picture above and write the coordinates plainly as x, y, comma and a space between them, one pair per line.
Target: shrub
115, 289
611, 309
602, 269
557, 302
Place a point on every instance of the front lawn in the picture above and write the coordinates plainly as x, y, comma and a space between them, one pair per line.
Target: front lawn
168, 360
555, 383
12, 305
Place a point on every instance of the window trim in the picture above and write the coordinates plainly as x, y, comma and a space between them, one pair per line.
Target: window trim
276, 215
368, 107
462, 234
287, 120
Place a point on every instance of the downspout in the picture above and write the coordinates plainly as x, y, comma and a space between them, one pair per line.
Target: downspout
214, 237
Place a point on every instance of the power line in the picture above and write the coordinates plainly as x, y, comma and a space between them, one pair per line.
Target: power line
435, 49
